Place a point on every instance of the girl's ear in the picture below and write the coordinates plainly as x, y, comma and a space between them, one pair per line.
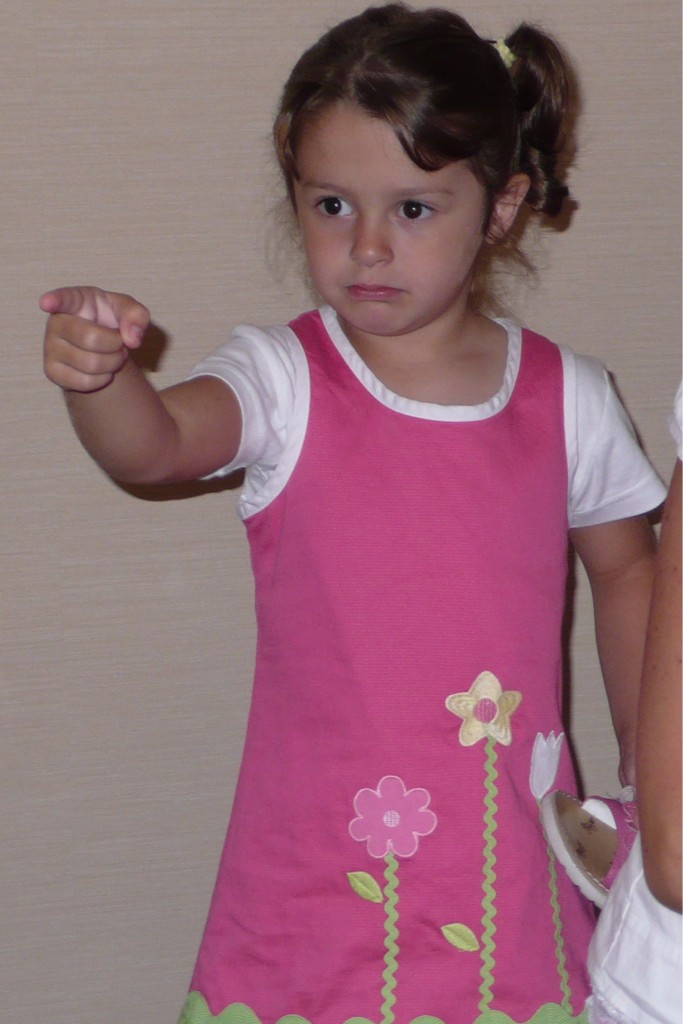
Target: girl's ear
506, 207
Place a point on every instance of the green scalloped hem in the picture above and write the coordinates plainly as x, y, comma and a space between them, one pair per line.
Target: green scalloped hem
196, 1011
551, 1013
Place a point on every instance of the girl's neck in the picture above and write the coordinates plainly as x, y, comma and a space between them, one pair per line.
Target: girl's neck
444, 367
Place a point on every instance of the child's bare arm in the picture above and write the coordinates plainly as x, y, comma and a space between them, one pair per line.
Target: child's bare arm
619, 560
136, 434
658, 751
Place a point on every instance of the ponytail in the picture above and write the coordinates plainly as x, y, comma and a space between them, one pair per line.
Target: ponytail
545, 89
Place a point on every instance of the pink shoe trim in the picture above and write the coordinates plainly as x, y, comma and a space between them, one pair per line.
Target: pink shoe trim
625, 814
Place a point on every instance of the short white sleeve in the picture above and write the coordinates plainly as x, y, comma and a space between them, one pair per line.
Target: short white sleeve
267, 370
261, 366
609, 475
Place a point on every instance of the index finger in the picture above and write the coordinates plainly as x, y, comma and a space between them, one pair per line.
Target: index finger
109, 309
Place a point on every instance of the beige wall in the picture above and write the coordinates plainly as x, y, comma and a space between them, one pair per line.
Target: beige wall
134, 153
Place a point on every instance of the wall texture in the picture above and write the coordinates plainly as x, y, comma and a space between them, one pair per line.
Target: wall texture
134, 153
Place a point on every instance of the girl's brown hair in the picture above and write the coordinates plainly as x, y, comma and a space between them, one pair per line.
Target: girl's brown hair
445, 91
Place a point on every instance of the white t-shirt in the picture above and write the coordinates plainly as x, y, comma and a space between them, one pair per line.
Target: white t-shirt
609, 476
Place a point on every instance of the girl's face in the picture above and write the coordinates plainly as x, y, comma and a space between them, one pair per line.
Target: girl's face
389, 246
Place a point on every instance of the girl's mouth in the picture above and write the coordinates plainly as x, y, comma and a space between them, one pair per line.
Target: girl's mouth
373, 292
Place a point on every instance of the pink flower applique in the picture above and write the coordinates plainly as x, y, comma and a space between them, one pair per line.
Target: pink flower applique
391, 817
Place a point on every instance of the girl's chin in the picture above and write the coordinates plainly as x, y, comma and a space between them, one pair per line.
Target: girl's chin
375, 323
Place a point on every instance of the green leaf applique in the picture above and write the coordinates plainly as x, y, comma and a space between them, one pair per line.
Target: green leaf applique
366, 886
460, 936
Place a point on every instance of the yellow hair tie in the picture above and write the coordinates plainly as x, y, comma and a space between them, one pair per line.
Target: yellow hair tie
506, 55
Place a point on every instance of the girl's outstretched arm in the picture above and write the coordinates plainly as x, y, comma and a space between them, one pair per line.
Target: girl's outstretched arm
136, 434
619, 560
658, 751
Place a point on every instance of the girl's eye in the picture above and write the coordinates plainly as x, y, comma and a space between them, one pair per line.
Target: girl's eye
333, 206
414, 210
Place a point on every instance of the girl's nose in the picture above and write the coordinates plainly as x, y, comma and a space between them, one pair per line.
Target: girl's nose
371, 243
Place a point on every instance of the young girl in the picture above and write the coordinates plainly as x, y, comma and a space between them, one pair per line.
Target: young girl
413, 471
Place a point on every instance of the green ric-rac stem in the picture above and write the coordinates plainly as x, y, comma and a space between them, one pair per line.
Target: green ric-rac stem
390, 942
488, 902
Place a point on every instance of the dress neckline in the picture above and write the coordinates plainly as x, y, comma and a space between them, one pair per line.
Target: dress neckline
428, 410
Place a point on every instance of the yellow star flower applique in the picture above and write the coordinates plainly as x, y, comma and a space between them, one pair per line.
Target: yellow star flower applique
485, 710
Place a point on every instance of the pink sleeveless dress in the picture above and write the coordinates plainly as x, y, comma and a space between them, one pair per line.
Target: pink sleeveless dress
385, 860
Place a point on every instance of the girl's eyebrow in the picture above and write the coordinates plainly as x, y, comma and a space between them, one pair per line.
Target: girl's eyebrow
406, 193
326, 186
